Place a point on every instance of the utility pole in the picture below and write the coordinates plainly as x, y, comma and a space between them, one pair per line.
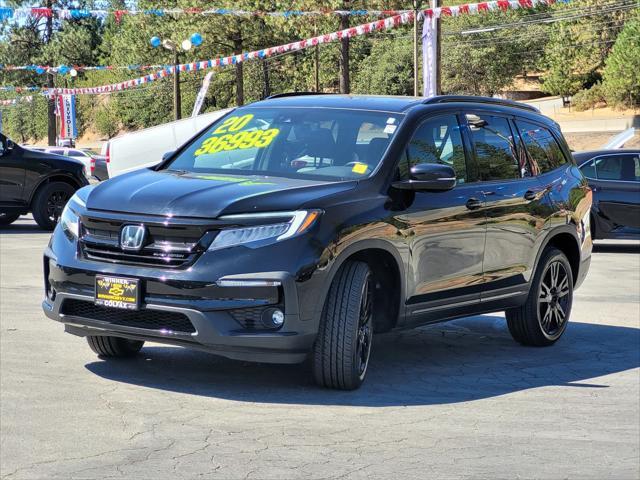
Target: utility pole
317, 60
177, 103
345, 86
436, 4
416, 47
51, 102
237, 46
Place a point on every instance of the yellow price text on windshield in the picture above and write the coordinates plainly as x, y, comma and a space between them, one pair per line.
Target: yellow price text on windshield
238, 141
233, 124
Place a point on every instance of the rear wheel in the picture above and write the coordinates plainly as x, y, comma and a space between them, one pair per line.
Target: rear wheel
114, 346
8, 218
49, 203
341, 353
543, 318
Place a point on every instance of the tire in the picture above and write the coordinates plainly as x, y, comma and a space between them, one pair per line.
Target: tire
48, 203
114, 347
8, 218
543, 318
340, 355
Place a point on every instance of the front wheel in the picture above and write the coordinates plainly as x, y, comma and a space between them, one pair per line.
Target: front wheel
342, 349
49, 203
542, 320
114, 347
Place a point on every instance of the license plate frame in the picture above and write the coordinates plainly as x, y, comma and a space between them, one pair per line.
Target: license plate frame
117, 292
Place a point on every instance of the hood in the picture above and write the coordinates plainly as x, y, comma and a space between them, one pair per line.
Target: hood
207, 195
59, 161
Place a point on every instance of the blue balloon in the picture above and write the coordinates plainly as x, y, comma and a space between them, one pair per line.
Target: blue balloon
196, 39
156, 42
39, 70
63, 69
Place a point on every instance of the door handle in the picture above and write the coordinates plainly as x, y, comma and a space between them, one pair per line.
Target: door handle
473, 203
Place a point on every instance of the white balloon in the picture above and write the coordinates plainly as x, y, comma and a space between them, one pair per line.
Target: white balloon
73, 72
186, 45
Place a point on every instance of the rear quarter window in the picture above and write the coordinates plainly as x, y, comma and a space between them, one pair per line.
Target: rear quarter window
544, 151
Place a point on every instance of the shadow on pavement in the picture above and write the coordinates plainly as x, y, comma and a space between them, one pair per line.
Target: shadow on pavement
22, 226
616, 248
468, 359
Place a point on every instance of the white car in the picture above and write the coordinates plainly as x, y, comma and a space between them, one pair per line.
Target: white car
145, 148
75, 153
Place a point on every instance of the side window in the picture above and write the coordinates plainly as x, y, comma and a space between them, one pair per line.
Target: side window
544, 152
437, 140
494, 146
618, 167
589, 169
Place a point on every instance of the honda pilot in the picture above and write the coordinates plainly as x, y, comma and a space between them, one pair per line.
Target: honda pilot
302, 226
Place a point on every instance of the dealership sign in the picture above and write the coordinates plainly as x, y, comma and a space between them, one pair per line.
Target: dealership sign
67, 113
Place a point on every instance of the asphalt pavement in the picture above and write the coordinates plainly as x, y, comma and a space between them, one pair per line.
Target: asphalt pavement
455, 400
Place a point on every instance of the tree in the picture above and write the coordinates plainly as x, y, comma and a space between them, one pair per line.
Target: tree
622, 71
388, 70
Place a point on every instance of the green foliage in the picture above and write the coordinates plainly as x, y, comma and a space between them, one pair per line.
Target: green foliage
588, 98
475, 59
622, 71
106, 120
388, 70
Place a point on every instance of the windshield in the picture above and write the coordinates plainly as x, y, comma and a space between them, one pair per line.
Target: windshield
334, 144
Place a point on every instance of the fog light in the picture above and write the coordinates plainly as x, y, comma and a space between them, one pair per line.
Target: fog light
273, 318
277, 317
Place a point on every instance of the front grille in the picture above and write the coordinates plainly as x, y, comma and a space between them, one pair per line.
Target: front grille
173, 246
149, 319
251, 318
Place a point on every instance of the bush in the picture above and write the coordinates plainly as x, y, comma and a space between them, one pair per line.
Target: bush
588, 98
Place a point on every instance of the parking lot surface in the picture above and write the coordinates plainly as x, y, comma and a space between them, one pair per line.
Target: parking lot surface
455, 400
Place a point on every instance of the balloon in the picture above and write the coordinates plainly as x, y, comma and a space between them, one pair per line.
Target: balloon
196, 39
156, 42
39, 70
63, 69
186, 45
73, 72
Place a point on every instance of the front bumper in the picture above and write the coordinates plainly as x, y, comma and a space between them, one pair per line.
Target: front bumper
211, 307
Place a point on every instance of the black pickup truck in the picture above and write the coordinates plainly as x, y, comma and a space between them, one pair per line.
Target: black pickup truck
37, 182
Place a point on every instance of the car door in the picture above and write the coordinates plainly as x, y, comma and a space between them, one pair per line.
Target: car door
516, 204
12, 172
616, 188
445, 230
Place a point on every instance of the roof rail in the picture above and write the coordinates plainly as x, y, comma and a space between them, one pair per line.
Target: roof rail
472, 99
294, 94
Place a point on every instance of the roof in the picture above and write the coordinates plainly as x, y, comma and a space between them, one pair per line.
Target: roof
582, 157
396, 104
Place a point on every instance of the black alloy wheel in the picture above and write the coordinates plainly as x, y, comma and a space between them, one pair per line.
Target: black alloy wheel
544, 317
55, 204
49, 202
553, 299
365, 328
342, 349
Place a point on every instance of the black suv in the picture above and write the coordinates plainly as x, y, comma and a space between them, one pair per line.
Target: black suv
301, 225
37, 182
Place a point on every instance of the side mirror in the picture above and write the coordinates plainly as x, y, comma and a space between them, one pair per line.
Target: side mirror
10, 144
429, 176
167, 155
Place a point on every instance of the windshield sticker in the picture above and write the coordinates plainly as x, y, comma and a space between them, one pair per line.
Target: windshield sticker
237, 141
360, 168
389, 129
391, 120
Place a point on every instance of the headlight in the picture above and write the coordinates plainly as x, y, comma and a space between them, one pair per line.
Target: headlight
298, 222
69, 220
